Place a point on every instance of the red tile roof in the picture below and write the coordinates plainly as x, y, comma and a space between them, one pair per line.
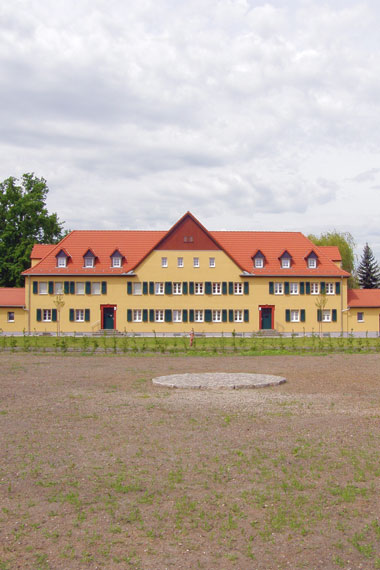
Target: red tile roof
135, 245
363, 297
12, 297
332, 252
40, 250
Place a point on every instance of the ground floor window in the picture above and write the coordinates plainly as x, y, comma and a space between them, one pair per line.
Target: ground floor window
11, 317
198, 316
46, 315
238, 316
137, 315
217, 316
79, 315
294, 316
326, 315
360, 317
159, 316
177, 316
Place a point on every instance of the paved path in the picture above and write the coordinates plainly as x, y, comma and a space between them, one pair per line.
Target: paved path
218, 380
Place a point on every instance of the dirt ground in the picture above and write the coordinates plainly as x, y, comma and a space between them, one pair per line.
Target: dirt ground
99, 468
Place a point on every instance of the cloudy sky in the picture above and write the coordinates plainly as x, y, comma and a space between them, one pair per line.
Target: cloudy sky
261, 115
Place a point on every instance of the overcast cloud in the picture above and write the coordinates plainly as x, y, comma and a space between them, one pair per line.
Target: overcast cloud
252, 115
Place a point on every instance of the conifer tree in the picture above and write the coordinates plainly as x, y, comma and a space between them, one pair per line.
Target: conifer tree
368, 271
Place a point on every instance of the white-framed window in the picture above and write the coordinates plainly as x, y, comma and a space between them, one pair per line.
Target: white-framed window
195, 261
312, 262
179, 261
217, 288
330, 288
198, 316
278, 288
43, 287
238, 288
294, 316
116, 260
79, 288
137, 288
58, 288
89, 260
360, 317
46, 315
177, 316
314, 288
216, 316
177, 288
11, 317
293, 288
159, 288
61, 260
211, 262
159, 315
164, 261
95, 288
238, 316
79, 315
199, 288
326, 315
137, 315
259, 262
285, 262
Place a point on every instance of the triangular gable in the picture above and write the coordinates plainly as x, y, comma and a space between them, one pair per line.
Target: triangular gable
312, 253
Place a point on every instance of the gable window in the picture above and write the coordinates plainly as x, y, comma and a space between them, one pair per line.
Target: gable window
177, 288
46, 315
80, 288
238, 288
312, 262
43, 288
198, 316
195, 261
95, 288
278, 288
10, 317
179, 261
199, 289
314, 288
360, 317
212, 262
159, 288
216, 288
330, 289
159, 315
294, 288
177, 316
137, 289
137, 315
294, 316
217, 316
164, 261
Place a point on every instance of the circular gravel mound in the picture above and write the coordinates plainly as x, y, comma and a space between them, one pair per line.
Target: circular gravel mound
217, 380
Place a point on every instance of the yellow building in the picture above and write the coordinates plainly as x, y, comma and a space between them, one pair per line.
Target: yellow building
186, 278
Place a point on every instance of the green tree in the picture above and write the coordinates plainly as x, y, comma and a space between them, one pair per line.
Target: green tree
24, 221
368, 270
346, 244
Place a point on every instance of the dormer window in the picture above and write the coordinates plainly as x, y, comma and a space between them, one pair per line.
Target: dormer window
285, 260
89, 259
312, 260
258, 260
61, 259
116, 259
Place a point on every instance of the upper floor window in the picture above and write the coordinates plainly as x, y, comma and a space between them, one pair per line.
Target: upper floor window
137, 288
179, 261
80, 288
238, 288
95, 288
314, 288
293, 288
278, 288
164, 261
89, 259
195, 261
58, 288
199, 288
43, 287
159, 288
216, 288
212, 262
329, 288
177, 288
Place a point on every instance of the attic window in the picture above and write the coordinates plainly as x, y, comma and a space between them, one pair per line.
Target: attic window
285, 260
258, 260
61, 259
188, 239
89, 259
312, 263
116, 259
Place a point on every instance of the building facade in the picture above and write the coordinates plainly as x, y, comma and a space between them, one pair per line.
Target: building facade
187, 278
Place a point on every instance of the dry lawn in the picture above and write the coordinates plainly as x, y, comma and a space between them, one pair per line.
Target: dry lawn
101, 469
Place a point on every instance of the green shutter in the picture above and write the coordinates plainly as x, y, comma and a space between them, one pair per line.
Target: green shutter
337, 288
145, 315
151, 315
208, 288
39, 315
71, 312
129, 287
145, 287
184, 315
302, 288
286, 284
191, 288
129, 315
208, 315
230, 288
303, 315
307, 287
168, 287
319, 315
184, 288
191, 315
87, 315
334, 315
151, 287
88, 287
271, 288
104, 287
51, 287
323, 287
287, 315
246, 288
54, 315
224, 315
35, 287
224, 288
231, 315
246, 315
66, 287
168, 316
72, 288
